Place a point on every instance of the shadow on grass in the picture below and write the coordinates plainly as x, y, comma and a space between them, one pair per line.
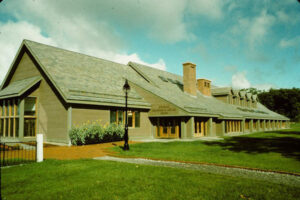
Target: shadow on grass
287, 146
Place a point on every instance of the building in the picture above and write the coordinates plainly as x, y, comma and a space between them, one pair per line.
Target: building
48, 90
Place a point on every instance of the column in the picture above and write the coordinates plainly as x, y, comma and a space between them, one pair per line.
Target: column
21, 119
251, 125
190, 128
183, 128
280, 124
209, 127
258, 125
243, 126
222, 128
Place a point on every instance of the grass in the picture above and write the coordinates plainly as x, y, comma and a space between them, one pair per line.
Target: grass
91, 179
277, 150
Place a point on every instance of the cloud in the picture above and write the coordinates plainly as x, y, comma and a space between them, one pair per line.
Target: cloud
164, 22
124, 59
13, 33
285, 43
259, 28
264, 87
211, 9
239, 80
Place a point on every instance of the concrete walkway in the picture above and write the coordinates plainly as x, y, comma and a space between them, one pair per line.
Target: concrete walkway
285, 179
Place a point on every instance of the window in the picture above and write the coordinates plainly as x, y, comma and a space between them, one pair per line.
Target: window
118, 116
9, 118
30, 117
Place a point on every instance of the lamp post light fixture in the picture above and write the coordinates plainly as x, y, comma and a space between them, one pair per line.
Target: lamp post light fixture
126, 89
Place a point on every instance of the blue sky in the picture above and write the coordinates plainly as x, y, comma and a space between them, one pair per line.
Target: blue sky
233, 43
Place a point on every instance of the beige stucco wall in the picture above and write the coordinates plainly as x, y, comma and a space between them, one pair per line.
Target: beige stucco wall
222, 98
82, 115
145, 129
25, 69
52, 115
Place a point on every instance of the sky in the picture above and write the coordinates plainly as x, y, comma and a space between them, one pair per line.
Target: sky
233, 43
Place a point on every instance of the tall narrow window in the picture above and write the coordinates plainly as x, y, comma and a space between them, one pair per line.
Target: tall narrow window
137, 119
133, 118
30, 117
113, 116
130, 119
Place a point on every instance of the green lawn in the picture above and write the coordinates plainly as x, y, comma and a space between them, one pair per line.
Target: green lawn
91, 179
277, 150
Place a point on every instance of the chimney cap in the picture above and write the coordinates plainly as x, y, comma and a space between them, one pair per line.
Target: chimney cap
189, 63
203, 79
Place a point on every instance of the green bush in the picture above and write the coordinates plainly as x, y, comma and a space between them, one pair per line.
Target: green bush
94, 133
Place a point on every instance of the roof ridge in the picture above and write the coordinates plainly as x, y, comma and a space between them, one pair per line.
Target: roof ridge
71, 51
147, 66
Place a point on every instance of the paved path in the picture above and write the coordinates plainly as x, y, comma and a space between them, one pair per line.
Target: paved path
286, 179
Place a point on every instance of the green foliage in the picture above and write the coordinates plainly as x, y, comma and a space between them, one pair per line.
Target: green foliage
283, 101
252, 90
94, 132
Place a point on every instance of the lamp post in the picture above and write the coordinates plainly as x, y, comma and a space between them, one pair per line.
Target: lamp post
126, 89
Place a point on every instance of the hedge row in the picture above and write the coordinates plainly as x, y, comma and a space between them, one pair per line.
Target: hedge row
94, 133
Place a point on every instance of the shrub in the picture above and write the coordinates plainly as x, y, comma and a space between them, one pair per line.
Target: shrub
94, 132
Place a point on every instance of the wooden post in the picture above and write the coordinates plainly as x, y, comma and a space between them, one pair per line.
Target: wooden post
209, 126
21, 119
183, 128
251, 125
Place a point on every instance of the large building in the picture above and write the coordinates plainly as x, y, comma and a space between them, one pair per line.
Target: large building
48, 90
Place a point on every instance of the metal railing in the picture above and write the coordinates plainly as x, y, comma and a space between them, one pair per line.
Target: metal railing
14, 153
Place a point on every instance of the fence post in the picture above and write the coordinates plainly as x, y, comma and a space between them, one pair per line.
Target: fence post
39, 147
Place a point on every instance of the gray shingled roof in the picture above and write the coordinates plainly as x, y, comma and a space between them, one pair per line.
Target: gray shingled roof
18, 88
170, 87
221, 91
84, 79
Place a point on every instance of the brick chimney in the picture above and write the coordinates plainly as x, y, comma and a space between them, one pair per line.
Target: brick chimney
204, 86
189, 78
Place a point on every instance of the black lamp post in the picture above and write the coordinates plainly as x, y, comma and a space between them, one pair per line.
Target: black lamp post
126, 89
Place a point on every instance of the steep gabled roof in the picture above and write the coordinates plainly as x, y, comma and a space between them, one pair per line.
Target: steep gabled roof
84, 79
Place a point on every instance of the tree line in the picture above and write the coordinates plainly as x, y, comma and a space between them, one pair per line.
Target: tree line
282, 101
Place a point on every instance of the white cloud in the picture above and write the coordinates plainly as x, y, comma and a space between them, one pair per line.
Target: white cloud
161, 20
254, 30
289, 42
12, 34
124, 59
264, 87
211, 9
11, 37
239, 80
260, 27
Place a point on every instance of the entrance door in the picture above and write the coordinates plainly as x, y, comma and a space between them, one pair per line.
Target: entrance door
168, 128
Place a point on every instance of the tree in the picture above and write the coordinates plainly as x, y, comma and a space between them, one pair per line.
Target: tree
252, 90
282, 101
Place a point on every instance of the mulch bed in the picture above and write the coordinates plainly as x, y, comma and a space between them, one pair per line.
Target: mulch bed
79, 152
